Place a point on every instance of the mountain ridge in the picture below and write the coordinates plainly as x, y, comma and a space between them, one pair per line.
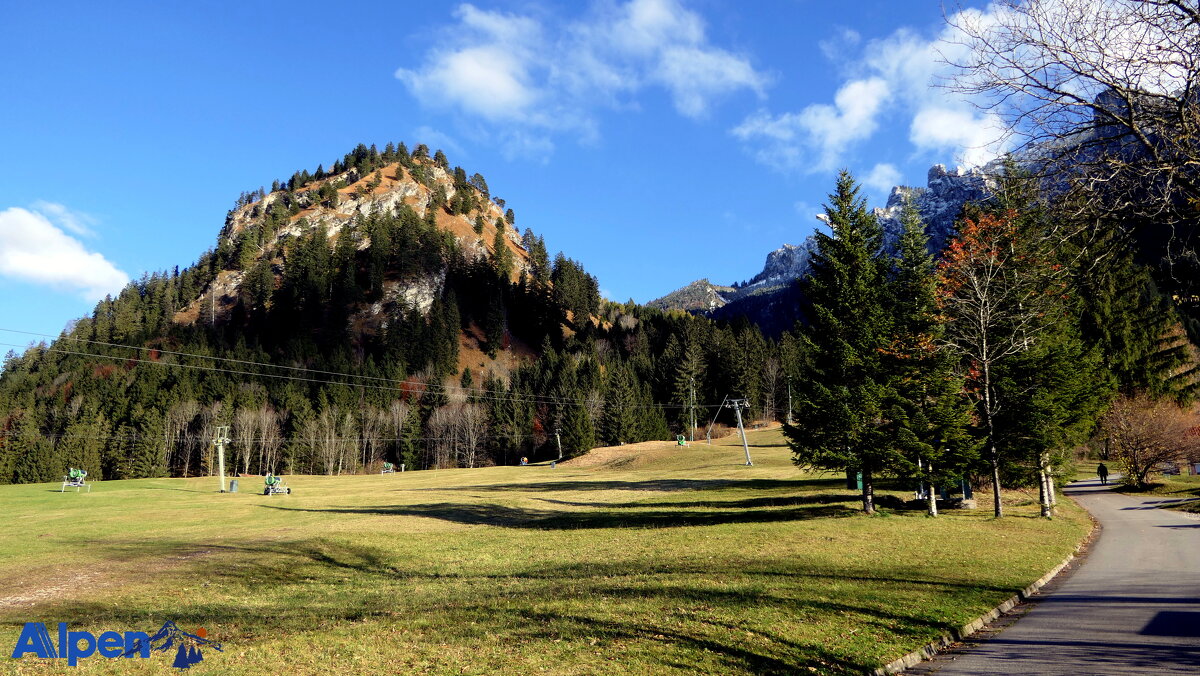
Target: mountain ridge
938, 204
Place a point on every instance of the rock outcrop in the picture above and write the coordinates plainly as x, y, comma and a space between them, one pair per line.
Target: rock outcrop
939, 203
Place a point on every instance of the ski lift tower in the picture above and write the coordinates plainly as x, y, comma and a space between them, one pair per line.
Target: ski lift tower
737, 405
220, 438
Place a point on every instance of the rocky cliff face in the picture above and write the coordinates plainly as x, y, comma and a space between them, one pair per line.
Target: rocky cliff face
385, 190
784, 265
938, 203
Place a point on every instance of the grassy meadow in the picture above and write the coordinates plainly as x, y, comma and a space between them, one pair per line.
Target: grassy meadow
1181, 492
641, 560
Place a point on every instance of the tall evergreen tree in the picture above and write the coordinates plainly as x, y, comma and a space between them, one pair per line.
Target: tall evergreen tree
928, 414
839, 407
620, 423
502, 256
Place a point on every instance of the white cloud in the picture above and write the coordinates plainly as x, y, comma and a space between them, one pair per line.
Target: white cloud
695, 76
75, 221
793, 139
974, 138
835, 47
528, 80
807, 212
489, 74
882, 178
893, 77
34, 249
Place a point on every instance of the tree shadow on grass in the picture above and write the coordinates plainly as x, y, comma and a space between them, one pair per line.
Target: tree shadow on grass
650, 485
750, 503
779, 656
541, 519
521, 616
663, 640
316, 583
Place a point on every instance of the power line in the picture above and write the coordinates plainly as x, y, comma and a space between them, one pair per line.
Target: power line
534, 398
405, 385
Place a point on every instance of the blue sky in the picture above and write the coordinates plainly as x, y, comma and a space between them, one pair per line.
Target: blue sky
656, 141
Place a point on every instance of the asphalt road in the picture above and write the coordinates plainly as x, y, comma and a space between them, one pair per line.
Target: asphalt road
1132, 607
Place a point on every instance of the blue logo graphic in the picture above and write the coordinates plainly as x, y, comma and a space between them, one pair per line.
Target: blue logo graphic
73, 645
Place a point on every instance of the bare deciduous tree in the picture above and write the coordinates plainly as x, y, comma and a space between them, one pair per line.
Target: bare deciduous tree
211, 417
443, 432
374, 424
996, 292
1145, 433
332, 437
245, 435
472, 425
397, 418
1106, 88
179, 418
270, 437
771, 376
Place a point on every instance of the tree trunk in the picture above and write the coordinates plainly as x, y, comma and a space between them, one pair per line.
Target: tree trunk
868, 492
932, 493
991, 441
1043, 488
1050, 490
999, 510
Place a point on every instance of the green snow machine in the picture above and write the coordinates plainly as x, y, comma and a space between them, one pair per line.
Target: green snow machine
273, 484
75, 479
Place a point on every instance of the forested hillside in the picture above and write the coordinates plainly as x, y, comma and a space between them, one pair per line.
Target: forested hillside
384, 309
388, 310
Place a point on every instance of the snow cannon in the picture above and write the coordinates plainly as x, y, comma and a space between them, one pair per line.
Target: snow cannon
273, 484
75, 479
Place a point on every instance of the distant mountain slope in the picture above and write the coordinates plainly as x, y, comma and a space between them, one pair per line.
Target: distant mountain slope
699, 296
769, 298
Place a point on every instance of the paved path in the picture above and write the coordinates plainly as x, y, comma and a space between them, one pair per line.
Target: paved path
1132, 607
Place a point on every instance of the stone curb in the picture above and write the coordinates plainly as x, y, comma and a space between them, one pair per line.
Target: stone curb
931, 649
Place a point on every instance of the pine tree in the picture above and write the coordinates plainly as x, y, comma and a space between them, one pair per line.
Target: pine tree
82, 442
578, 433
840, 404
148, 452
687, 382
1122, 312
33, 456
494, 325
502, 256
1053, 394
620, 423
928, 413
479, 184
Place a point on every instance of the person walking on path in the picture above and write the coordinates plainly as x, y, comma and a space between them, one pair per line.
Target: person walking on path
1103, 472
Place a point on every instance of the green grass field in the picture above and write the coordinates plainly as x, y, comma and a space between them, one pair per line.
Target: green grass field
1179, 492
670, 561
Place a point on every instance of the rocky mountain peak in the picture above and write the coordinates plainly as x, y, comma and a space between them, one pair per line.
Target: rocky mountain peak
938, 203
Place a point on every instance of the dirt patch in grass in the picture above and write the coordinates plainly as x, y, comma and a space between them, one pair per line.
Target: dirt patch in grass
56, 584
